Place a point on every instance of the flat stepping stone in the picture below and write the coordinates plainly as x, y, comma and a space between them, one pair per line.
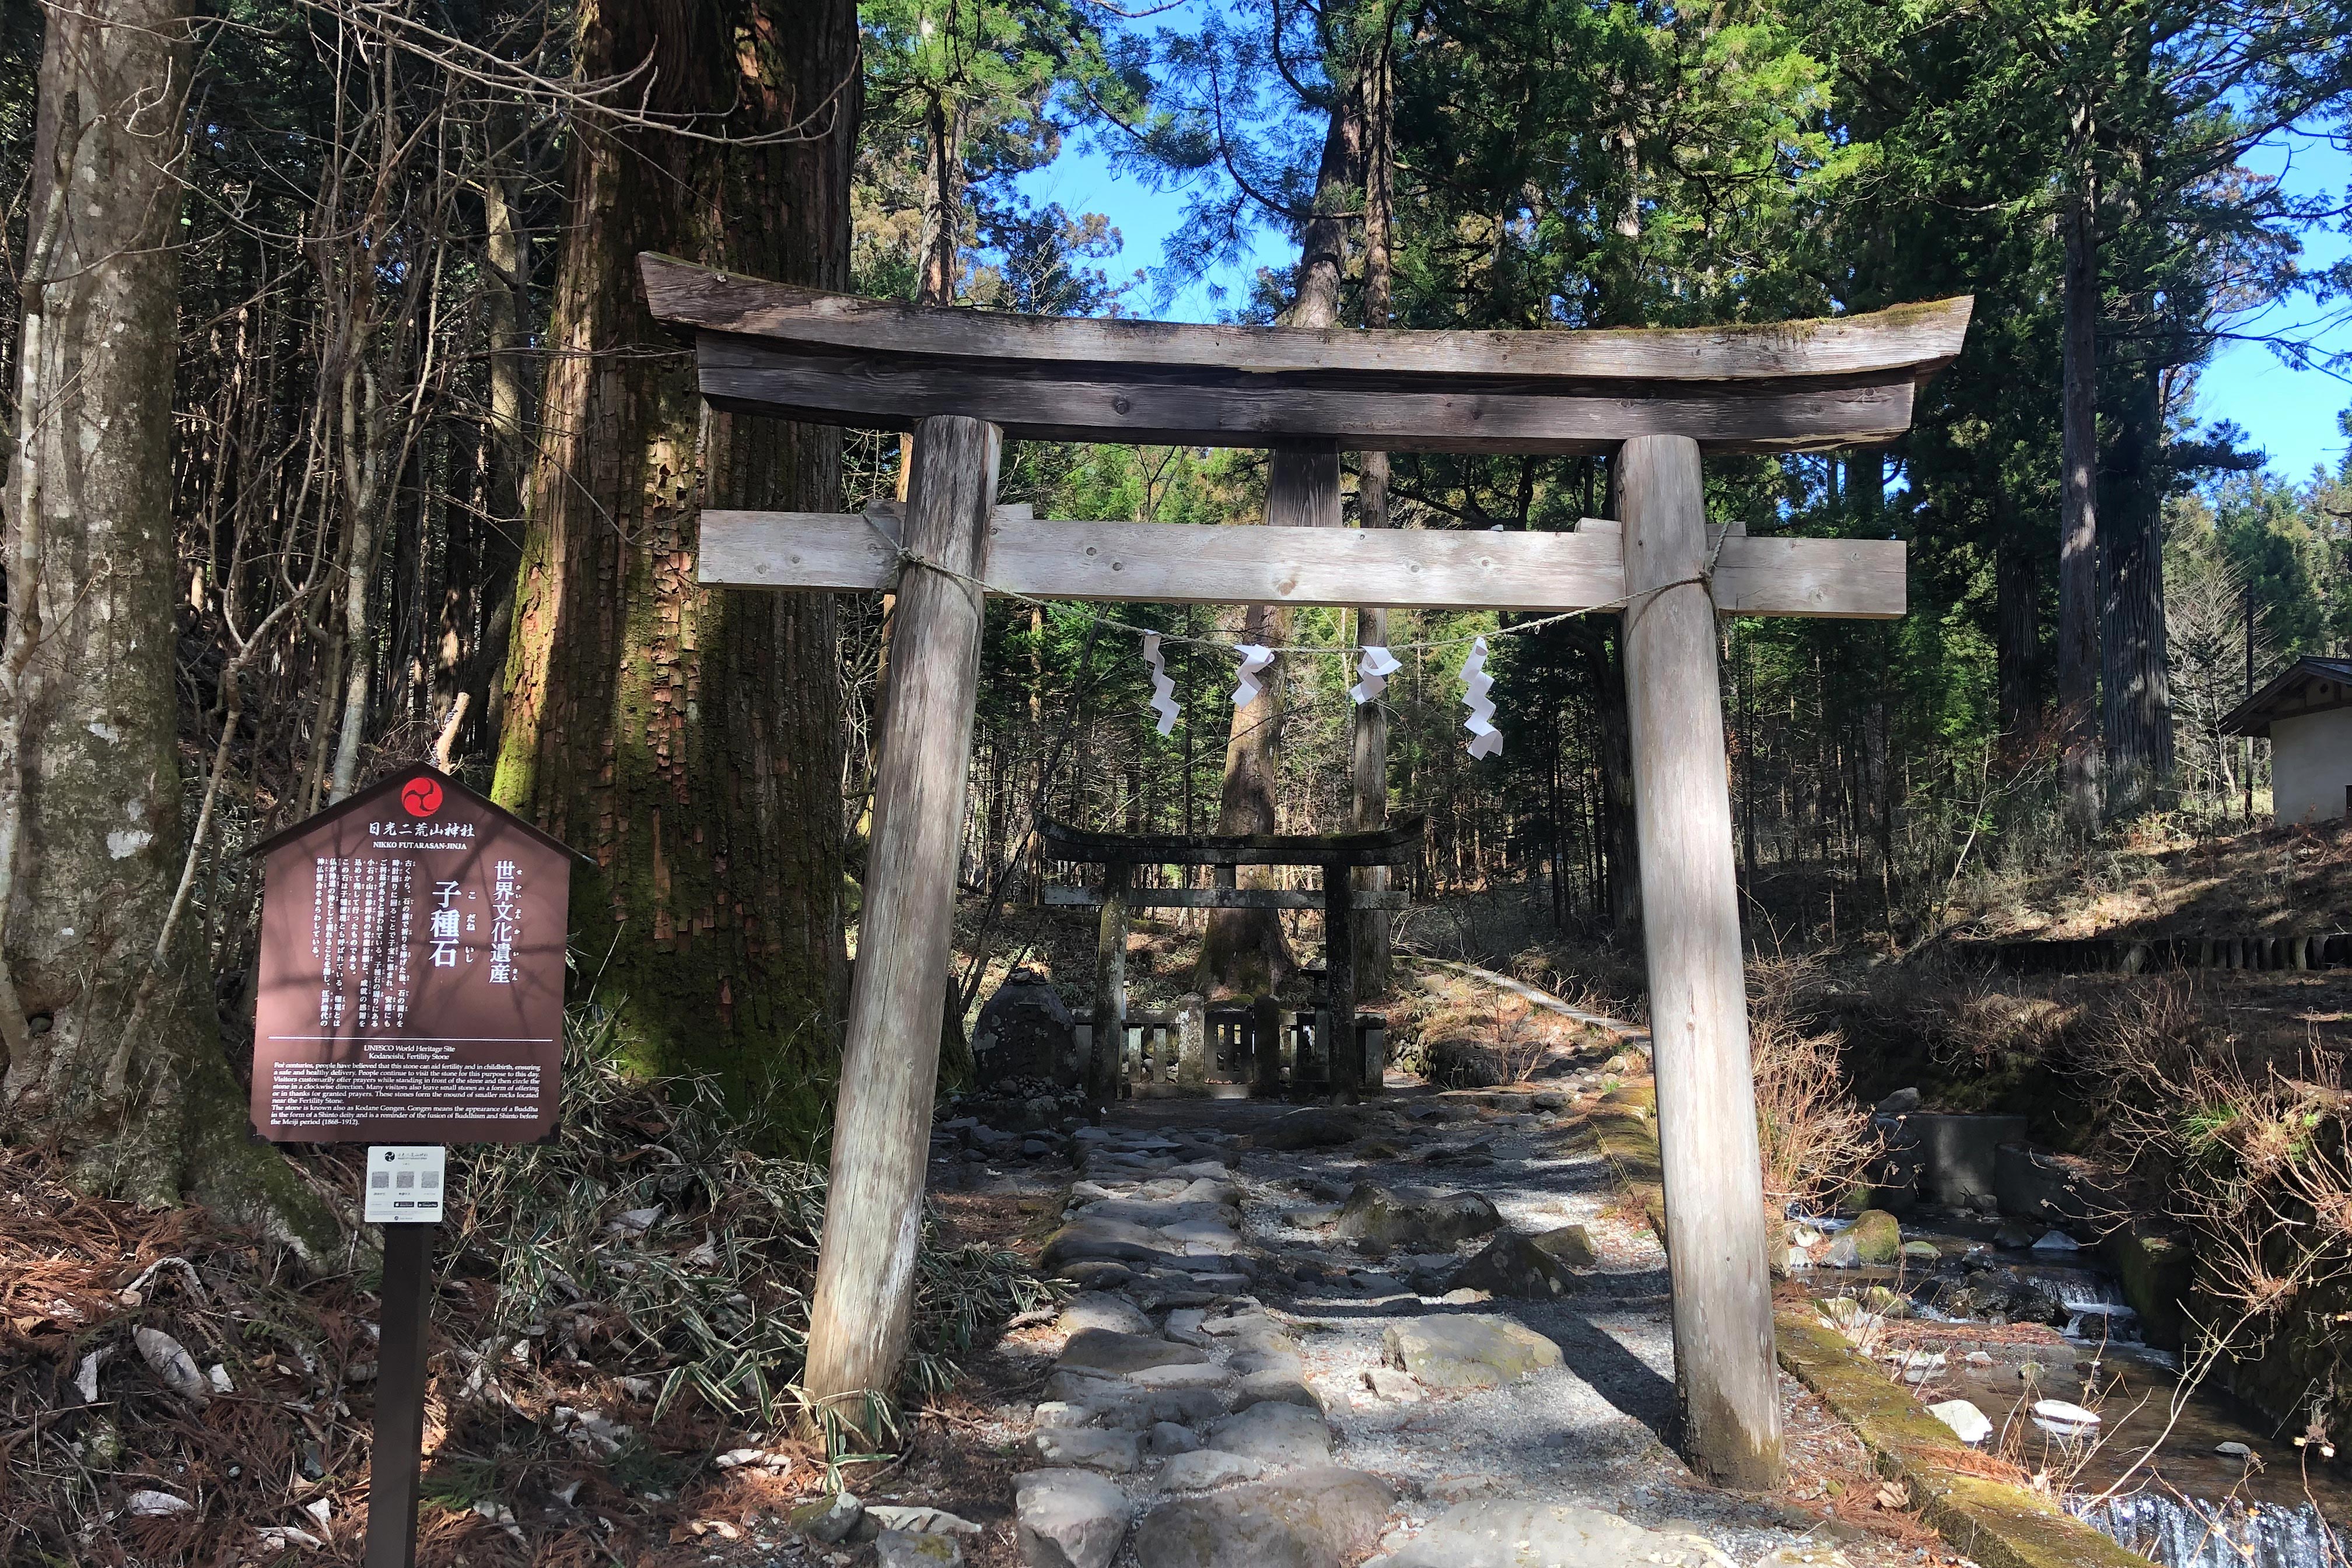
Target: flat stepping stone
1204, 1170
1115, 1401
1207, 1468
1317, 1126
1157, 1215
1489, 1534
1090, 1240
1185, 1374
1275, 1433
1092, 1447
1096, 1310
1276, 1385
1470, 1350
1068, 1519
1108, 1353
1319, 1517
1416, 1218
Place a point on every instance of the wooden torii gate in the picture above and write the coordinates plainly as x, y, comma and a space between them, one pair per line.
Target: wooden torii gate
962, 380
1334, 855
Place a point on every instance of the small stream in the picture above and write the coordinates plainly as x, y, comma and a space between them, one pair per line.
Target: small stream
2191, 1505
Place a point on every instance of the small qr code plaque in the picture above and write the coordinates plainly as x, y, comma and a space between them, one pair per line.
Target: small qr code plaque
405, 1183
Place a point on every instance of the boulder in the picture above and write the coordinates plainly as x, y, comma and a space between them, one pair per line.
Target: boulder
1092, 1447
1317, 1126
1207, 1468
1068, 1519
1538, 1535
1571, 1245
1901, 1102
1275, 1433
1513, 1264
1025, 1031
1461, 1063
1106, 1352
1469, 1350
1099, 1309
1314, 1518
1877, 1238
1415, 1218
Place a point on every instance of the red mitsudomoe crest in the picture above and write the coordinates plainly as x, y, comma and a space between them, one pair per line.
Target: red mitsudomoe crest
422, 797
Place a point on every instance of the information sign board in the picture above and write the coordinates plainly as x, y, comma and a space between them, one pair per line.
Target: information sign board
412, 971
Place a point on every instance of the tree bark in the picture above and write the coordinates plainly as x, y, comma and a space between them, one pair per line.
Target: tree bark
2080, 761
1368, 759
2017, 597
1245, 950
505, 303
2135, 684
112, 1046
687, 739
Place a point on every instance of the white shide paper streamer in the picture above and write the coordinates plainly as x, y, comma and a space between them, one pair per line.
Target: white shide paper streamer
1374, 668
1254, 656
1163, 690
1486, 740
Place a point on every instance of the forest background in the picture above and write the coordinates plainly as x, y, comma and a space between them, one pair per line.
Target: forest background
393, 450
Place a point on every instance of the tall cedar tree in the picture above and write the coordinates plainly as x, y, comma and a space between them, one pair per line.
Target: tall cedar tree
689, 740
112, 1044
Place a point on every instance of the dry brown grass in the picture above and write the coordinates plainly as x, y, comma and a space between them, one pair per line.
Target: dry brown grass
1817, 1138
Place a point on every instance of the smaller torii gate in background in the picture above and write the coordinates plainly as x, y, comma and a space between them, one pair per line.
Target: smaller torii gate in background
1336, 855
962, 380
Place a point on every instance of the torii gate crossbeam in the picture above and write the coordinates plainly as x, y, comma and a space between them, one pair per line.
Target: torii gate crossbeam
962, 380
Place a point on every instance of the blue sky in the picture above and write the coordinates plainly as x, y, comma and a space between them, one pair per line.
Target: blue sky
2288, 414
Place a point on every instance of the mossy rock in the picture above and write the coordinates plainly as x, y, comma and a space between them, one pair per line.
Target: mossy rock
1570, 1244
1877, 1238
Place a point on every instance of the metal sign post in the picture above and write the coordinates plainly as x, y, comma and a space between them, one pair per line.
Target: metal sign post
404, 1195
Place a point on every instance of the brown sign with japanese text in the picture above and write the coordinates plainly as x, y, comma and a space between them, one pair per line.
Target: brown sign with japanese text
412, 971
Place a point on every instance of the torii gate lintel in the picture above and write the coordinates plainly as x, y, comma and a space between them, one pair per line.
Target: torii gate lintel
963, 379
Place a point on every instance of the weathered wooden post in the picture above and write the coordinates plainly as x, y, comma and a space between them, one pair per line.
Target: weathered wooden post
1339, 984
862, 1312
1108, 1064
1716, 1241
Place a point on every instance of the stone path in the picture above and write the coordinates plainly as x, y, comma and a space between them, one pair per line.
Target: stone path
1414, 1330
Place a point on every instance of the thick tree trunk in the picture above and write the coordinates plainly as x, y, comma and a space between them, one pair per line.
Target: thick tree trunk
113, 1051
688, 740
2017, 597
506, 302
1245, 950
2078, 526
2135, 684
1369, 762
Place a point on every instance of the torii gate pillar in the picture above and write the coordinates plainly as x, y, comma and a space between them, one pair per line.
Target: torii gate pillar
862, 1310
1716, 1226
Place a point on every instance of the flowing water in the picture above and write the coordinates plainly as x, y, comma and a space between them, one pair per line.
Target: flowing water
2178, 1501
